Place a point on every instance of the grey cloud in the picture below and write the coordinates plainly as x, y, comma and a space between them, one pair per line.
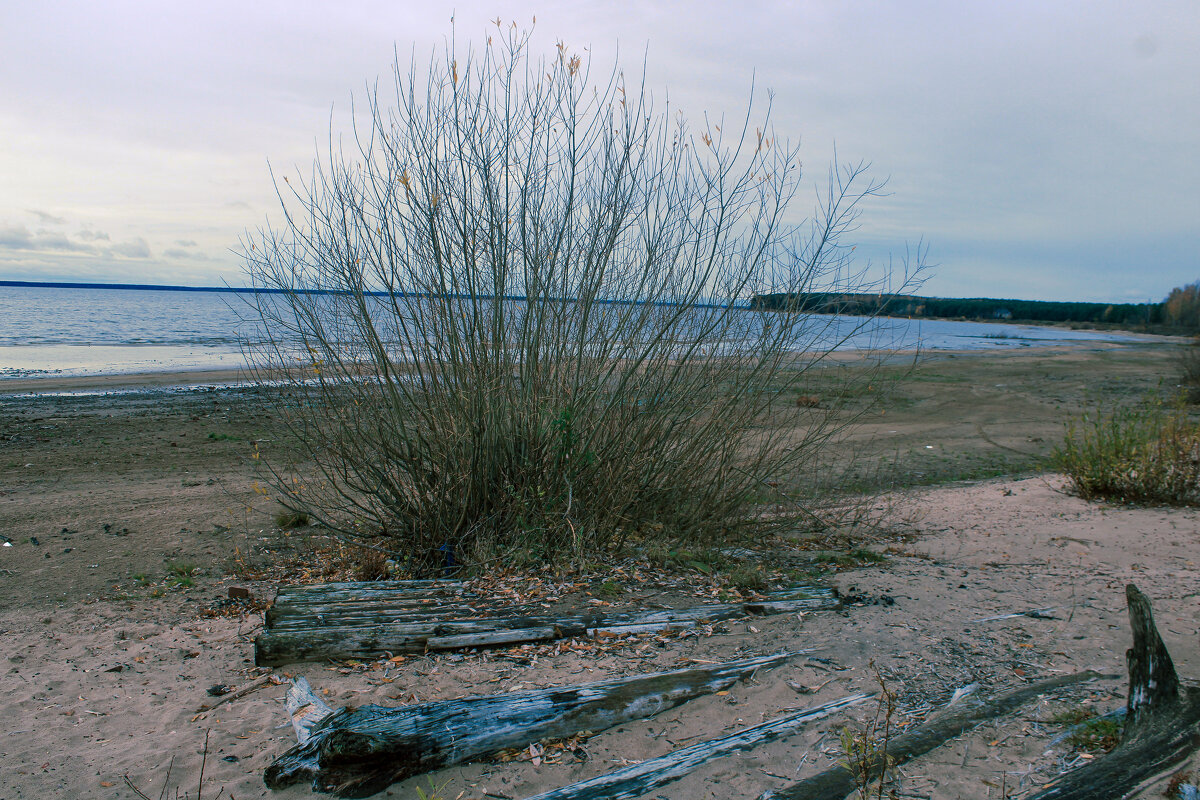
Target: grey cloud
176, 252
15, 237
18, 237
185, 243
90, 235
137, 248
47, 219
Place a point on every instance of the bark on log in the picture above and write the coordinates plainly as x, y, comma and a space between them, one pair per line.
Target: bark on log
358, 623
639, 779
355, 752
1162, 721
953, 721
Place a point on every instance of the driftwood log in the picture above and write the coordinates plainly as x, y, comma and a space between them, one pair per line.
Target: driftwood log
367, 620
1162, 720
355, 752
953, 721
1162, 727
643, 778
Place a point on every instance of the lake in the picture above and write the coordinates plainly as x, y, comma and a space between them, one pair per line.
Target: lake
69, 332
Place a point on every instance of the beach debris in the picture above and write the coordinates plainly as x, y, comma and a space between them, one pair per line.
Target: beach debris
367, 620
305, 708
958, 716
1034, 613
355, 752
1161, 720
241, 691
638, 779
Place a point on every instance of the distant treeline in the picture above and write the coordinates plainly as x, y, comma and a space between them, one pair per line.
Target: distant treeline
1133, 315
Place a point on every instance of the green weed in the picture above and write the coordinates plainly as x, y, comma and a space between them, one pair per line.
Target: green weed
748, 578
290, 520
1097, 735
180, 574
610, 589
1149, 453
435, 791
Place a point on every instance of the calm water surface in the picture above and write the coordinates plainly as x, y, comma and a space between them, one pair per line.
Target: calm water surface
51, 331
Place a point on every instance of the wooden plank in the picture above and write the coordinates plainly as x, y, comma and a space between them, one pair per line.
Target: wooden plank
370, 635
639, 779
356, 752
837, 782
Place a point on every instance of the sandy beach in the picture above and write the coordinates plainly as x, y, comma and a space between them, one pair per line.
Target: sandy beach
130, 513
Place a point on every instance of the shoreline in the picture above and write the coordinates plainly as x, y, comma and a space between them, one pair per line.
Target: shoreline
181, 379
184, 379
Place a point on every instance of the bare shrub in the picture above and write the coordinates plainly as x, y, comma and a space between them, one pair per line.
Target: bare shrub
512, 321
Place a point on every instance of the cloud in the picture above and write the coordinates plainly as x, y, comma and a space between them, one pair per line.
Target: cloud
176, 252
18, 237
185, 243
137, 248
15, 237
90, 235
47, 219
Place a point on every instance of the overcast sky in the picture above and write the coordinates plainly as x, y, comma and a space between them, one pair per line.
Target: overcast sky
1041, 150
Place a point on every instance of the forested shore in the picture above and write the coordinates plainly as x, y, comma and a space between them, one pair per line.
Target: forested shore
1178, 313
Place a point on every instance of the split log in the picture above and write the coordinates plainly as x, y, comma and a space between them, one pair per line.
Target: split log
355, 752
639, 779
1162, 720
360, 623
953, 721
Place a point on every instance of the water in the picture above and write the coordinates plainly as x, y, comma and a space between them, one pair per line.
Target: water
51, 331
48, 332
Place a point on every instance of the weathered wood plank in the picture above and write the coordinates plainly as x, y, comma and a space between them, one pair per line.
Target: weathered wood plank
350, 614
352, 586
837, 782
358, 607
371, 635
639, 779
355, 752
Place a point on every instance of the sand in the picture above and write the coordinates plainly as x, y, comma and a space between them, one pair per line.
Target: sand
107, 659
